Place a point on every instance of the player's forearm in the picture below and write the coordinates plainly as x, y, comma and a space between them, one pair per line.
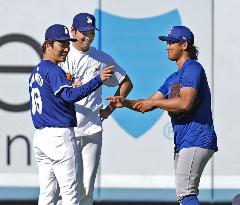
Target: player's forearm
172, 105
123, 90
78, 93
130, 103
125, 87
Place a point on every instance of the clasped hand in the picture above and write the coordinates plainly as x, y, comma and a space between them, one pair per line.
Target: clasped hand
117, 101
137, 105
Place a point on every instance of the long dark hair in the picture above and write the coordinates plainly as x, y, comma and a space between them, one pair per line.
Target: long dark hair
192, 50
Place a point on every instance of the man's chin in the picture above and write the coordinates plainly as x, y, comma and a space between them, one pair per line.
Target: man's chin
62, 59
86, 48
170, 58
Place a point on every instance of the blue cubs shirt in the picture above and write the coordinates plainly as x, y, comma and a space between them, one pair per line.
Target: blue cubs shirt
48, 109
198, 131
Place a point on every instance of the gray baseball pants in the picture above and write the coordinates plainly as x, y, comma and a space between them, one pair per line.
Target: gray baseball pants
189, 164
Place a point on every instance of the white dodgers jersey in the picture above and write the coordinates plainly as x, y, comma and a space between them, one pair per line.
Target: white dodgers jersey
84, 66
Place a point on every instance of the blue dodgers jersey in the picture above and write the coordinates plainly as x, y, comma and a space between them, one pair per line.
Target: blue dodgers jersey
198, 131
48, 109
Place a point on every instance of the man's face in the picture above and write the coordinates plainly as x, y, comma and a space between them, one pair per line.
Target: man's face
59, 51
175, 50
84, 38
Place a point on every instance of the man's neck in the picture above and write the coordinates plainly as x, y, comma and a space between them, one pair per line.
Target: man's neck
79, 48
181, 61
48, 57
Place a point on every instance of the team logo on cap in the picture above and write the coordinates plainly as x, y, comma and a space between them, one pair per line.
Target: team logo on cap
89, 20
66, 30
170, 31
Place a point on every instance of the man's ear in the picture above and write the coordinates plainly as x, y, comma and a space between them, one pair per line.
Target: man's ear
49, 45
185, 45
73, 31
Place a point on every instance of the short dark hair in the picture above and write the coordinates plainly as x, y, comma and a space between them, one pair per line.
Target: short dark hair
44, 45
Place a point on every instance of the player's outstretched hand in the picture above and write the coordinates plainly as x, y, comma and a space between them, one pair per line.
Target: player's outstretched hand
117, 101
106, 73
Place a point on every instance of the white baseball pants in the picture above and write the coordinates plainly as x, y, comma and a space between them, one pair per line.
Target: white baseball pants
57, 156
90, 151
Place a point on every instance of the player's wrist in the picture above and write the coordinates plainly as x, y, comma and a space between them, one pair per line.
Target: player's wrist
111, 107
128, 103
99, 79
155, 103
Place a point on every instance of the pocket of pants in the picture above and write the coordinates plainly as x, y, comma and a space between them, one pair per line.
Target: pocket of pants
55, 148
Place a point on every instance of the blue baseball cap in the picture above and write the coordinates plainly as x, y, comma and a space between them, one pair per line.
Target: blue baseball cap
179, 33
58, 32
84, 22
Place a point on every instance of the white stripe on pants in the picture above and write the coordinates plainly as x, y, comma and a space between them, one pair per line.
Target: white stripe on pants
189, 164
57, 156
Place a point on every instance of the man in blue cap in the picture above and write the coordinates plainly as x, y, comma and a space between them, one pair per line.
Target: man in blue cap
53, 114
83, 63
186, 96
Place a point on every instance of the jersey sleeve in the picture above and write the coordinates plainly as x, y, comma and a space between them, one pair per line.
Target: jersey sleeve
118, 75
191, 76
164, 89
75, 94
